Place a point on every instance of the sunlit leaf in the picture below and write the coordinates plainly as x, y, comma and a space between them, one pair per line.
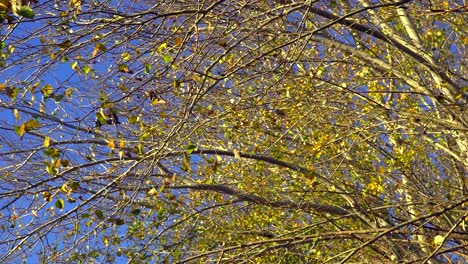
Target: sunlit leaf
86, 69
46, 142
47, 90
16, 114
111, 144
166, 58
25, 11
125, 56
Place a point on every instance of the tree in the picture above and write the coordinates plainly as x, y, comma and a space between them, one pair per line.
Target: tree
234, 131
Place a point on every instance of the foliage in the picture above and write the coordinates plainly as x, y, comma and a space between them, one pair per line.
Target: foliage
233, 131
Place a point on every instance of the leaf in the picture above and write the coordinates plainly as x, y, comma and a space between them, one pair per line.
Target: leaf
64, 163
236, 154
85, 215
64, 188
47, 90
25, 11
153, 191
46, 142
59, 97
166, 58
30, 125
111, 144
119, 221
65, 44
51, 152
132, 119
124, 68
69, 92
99, 214
176, 83
86, 69
100, 47
75, 185
191, 147
438, 240
11, 49
157, 101
47, 196
16, 114
59, 204
162, 47
74, 3
135, 212
185, 163
74, 65
148, 68
125, 56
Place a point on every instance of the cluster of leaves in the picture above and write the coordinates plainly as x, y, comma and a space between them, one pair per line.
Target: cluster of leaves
236, 131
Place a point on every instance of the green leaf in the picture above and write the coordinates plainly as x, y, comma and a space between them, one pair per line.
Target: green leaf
59, 97
74, 185
191, 147
162, 47
176, 83
65, 44
25, 11
135, 212
148, 68
166, 58
185, 163
51, 169
101, 119
86, 69
119, 221
51, 152
26, 126
99, 214
85, 215
59, 204
100, 47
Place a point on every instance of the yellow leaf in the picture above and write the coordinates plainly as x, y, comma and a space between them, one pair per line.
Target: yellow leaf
105, 240
158, 101
16, 114
125, 56
236, 154
74, 3
111, 144
152, 191
64, 188
438, 240
46, 142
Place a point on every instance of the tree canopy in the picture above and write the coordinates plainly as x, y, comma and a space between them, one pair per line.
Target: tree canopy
250, 131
